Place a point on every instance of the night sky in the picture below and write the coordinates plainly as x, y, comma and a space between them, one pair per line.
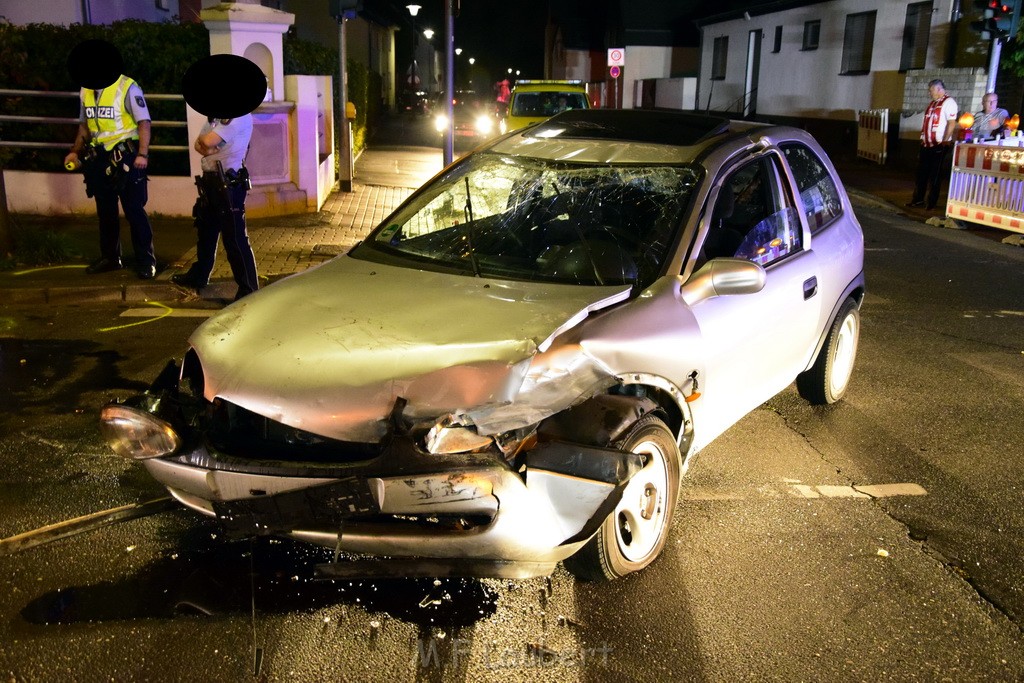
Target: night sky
503, 34
498, 34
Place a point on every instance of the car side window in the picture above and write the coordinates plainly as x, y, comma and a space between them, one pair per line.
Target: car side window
818, 193
752, 218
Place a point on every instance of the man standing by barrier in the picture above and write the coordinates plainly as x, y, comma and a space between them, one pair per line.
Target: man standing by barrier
989, 122
226, 88
937, 134
112, 148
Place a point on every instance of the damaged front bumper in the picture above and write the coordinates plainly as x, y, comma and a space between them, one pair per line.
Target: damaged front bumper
452, 514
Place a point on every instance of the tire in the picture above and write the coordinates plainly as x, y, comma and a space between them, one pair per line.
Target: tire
827, 380
635, 532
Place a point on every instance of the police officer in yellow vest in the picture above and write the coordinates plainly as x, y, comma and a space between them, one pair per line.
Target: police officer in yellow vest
112, 148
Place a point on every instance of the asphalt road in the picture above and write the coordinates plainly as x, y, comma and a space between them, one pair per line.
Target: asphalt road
777, 568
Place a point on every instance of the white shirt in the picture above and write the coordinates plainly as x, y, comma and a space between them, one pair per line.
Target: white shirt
235, 134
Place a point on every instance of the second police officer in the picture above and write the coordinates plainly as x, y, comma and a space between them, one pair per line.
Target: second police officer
223, 143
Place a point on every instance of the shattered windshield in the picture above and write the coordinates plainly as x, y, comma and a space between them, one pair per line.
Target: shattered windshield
509, 217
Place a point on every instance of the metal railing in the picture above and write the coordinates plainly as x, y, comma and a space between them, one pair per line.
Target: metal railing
25, 144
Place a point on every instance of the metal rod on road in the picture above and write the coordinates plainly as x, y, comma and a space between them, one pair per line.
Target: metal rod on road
90, 522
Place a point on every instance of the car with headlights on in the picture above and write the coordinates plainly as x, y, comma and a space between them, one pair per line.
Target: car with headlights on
474, 120
518, 366
533, 101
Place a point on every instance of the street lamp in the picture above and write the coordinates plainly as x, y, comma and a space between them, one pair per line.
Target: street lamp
414, 78
428, 33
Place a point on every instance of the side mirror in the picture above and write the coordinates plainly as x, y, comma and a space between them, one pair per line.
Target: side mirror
723, 277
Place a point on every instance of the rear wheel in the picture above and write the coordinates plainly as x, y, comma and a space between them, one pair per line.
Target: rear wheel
828, 378
635, 532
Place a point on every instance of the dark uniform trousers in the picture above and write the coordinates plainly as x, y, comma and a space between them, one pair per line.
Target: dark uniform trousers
220, 212
929, 174
130, 189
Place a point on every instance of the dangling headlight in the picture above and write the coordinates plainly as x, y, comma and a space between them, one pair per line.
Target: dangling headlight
136, 434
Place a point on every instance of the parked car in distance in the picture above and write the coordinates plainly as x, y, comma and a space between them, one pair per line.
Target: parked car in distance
474, 119
533, 101
518, 366
415, 102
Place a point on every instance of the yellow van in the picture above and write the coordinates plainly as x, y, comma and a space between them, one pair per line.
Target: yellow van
533, 101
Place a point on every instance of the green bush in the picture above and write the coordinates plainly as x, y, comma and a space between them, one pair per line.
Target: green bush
34, 57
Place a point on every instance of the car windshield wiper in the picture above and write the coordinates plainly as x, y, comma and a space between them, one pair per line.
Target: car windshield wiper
469, 234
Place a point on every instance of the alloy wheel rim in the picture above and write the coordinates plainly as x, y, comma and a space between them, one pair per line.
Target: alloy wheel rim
846, 352
640, 514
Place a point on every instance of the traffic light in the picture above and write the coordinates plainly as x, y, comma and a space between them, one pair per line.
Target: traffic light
999, 18
1007, 17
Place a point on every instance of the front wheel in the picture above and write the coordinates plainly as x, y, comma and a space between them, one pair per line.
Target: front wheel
635, 532
828, 378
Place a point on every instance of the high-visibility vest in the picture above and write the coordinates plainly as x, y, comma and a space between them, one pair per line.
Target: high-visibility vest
109, 120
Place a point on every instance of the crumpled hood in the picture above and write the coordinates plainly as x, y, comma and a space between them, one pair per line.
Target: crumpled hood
329, 351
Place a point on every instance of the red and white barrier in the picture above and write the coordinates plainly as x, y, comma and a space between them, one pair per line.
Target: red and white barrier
872, 134
986, 186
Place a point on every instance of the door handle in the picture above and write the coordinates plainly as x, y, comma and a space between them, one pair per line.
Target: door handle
810, 287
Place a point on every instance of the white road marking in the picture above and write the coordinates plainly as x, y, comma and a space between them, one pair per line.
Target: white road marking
175, 313
792, 488
888, 490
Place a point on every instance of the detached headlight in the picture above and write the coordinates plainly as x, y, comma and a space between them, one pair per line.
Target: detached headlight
445, 438
484, 124
135, 434
440, 123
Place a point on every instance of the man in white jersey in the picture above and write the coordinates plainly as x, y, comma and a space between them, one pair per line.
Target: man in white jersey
937, 135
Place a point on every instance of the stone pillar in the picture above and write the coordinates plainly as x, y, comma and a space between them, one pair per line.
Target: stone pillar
248, 29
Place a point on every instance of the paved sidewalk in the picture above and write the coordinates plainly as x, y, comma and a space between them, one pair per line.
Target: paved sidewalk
283, 245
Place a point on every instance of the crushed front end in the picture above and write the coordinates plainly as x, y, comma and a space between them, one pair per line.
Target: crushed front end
431, 493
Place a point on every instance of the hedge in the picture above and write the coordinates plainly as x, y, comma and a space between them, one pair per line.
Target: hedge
34, 57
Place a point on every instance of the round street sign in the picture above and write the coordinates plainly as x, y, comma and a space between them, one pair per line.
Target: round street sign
614, 72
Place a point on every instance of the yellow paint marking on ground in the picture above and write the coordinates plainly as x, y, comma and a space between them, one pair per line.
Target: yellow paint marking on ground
167, 311
175, 313
38, 270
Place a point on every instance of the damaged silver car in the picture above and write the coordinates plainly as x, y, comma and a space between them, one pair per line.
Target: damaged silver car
516, 368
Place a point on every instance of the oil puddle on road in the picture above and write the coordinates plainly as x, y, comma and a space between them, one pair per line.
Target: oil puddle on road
53, 375
265, 574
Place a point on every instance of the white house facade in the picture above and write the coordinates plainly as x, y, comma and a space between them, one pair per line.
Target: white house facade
823, 62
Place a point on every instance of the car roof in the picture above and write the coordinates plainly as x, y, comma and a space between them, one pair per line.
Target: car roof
625, 136
549, 86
